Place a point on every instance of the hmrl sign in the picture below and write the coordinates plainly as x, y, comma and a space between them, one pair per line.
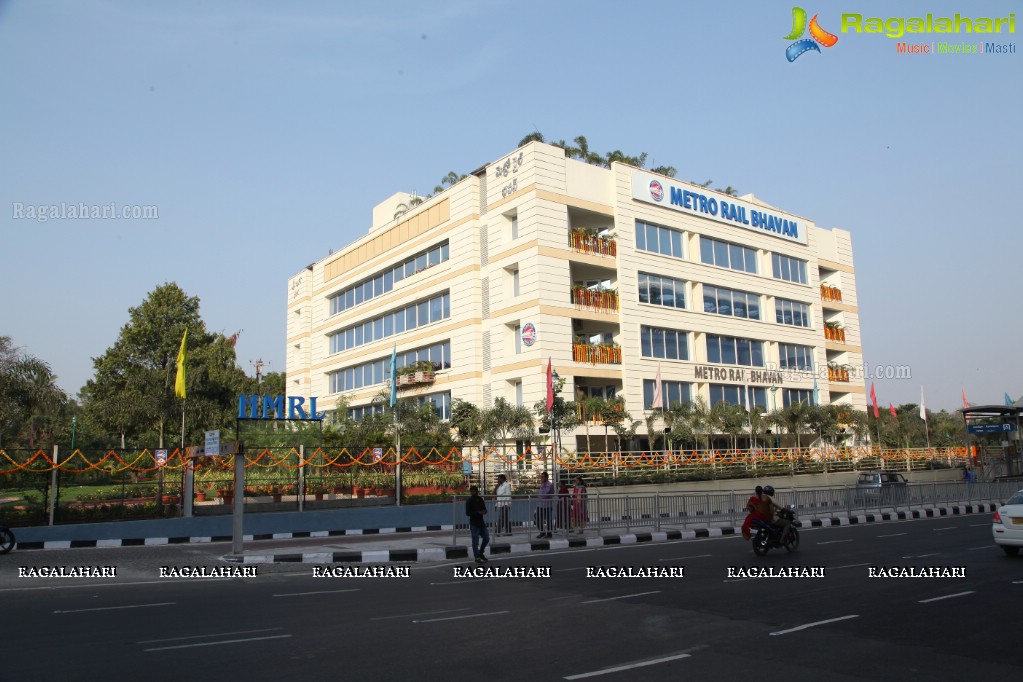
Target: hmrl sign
273, 407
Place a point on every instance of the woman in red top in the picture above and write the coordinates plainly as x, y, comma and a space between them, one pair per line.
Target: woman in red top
753, 506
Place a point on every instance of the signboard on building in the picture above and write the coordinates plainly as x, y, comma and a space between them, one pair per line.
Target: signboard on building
990, 428
528, 334
212, 446
697, 201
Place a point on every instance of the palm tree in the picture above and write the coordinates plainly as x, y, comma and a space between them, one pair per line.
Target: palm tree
794, 418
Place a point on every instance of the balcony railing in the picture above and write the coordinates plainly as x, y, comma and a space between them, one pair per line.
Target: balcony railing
588, 243
833, 294
597, 354
834, 334
835, 374
599, 300
415, 379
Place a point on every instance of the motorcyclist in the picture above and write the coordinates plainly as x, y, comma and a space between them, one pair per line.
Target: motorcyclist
769, 506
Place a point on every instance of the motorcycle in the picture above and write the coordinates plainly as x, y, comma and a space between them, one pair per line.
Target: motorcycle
769, 536
6, 540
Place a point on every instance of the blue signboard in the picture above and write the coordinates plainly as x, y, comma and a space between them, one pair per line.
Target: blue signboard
990, 428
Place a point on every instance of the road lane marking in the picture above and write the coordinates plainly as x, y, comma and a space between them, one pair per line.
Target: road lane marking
978, 525
683, 558
832, 542
974, 549
947, 596
114, 608
624, 596
303, 594
424, 613
226, 641
218, 634
945, 528
813, 625
470, 615
835, 568
1017, 582
627, 666
893, 535
920, 556
109, 584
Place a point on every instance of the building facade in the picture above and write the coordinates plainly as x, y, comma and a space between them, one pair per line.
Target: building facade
616, 275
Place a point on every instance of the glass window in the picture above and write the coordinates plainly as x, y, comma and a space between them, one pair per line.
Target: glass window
706, 251
398, 273
410, 268
724, 302
640, 236
721, 254
644, 293
676, 243
735, 259
446, 300
378, 328
671, 345
410, 318
388, 280
399, 322
420, 262
758, 354
434, 257
358, 295
645, 342
710, 299
739, 304
423, 313
665, 245
655, 290
668, 292
652, 241
388, 325
751, 261
436, 308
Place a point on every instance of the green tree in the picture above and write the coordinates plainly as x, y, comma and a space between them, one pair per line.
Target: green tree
32, 406
132, 391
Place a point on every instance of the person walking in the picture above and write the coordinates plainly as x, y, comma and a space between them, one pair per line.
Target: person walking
545, 502
503, 504
475, 508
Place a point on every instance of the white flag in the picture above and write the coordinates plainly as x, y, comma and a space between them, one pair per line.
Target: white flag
923, 407
658, 400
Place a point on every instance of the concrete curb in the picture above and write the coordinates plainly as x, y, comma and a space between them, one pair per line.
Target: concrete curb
425, 555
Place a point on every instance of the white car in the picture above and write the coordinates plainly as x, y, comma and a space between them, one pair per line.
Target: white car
1007, 524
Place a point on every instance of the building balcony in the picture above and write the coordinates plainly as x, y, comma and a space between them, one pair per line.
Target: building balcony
838, 375
599, 300
592, 244
597, 354
831, 294
418, 377
834, 334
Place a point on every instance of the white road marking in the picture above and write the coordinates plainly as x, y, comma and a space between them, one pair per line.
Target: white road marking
218, 634
893, 535
424, 613
108, 584
303, 594
947, 596
978, 525
974, 549
945, 528
627, 666
832, 542
835, 568
813, 625
920, 556
471, 615
226, 641
114, 608
624, 596
683, 558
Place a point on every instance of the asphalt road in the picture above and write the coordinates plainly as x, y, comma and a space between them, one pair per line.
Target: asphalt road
707, 625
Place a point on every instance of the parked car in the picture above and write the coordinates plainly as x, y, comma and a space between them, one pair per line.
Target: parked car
1007, 525
881, 488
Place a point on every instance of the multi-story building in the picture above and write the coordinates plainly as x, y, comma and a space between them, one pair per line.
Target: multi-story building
612, 274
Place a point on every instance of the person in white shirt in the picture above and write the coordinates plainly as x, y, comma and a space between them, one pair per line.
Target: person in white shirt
503, 504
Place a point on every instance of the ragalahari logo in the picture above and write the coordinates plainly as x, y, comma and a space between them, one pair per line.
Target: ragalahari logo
819, 35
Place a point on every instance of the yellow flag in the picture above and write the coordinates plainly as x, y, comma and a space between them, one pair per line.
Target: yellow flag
179, 382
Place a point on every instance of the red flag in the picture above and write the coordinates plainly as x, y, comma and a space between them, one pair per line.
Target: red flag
892, 410
550, 386
873, 399
966, 403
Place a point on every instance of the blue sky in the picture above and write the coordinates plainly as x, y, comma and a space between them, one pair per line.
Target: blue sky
265, 132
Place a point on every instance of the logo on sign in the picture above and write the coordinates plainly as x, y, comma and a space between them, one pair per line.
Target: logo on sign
656, 190
161, 458
529, 333
799, 26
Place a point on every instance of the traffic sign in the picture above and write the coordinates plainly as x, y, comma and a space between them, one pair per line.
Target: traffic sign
161, 458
